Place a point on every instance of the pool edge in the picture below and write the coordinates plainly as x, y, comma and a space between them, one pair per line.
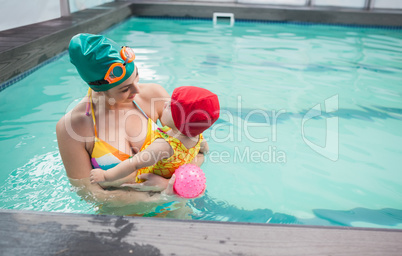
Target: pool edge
102, 234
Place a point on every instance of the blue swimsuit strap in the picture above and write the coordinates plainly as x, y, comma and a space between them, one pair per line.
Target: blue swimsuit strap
142, 111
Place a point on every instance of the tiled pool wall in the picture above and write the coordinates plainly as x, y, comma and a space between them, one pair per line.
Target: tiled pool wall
327, 15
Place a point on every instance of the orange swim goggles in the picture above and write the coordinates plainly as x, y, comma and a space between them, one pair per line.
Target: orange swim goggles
117, 70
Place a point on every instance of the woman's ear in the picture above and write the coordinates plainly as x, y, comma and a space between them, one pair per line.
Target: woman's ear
108, 95
105, 93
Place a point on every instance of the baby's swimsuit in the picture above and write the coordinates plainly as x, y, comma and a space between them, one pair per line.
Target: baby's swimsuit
181, 154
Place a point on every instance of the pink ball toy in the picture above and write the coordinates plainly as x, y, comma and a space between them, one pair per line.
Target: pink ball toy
190, 181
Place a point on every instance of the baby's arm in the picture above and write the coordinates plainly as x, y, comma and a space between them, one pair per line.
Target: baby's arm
158, 150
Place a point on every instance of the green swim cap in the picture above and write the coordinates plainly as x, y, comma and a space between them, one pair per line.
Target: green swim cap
92, 55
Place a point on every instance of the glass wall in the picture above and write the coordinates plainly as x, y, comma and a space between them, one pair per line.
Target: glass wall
275, 2
78, 5
341, 3
24, 12
376, 4
388, 4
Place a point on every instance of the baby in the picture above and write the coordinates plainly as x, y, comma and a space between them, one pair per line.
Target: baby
190, 111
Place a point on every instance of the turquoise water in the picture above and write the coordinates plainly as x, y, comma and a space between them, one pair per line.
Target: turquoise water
310, 131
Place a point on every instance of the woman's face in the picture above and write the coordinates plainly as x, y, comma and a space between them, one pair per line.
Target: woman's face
126, 91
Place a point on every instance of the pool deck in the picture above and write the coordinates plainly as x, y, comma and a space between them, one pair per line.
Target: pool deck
42, 233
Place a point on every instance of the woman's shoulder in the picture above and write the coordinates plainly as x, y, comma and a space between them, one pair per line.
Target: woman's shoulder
76, 121
152, 90
152, 99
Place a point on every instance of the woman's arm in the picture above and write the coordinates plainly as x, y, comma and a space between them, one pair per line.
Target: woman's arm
93, 193
199, 158
204, 148
158, 150
77, 163
72, 147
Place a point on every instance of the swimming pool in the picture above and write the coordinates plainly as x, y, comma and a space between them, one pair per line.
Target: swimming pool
274, 157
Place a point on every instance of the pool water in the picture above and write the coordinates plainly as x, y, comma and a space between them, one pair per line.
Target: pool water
310, 130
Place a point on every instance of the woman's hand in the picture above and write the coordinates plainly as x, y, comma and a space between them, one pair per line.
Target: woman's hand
97, 175
169, 189
152, 183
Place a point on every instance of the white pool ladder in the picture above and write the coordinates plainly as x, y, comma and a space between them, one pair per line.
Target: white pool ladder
217, 15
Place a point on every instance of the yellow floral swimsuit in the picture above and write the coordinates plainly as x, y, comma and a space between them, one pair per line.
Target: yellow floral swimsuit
181, 155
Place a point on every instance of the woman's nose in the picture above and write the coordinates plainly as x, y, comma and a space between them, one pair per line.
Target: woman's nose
135, 88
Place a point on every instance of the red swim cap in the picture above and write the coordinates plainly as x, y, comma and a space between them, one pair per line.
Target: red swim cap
194, 109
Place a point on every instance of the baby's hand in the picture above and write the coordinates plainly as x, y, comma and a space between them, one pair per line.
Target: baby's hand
97, 175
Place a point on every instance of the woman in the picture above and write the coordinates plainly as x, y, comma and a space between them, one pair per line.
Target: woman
110, 124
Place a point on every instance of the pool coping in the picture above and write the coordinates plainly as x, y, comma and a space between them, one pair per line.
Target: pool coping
48, 233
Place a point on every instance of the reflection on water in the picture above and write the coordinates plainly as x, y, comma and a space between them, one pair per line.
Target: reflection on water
41, 185
207, 208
